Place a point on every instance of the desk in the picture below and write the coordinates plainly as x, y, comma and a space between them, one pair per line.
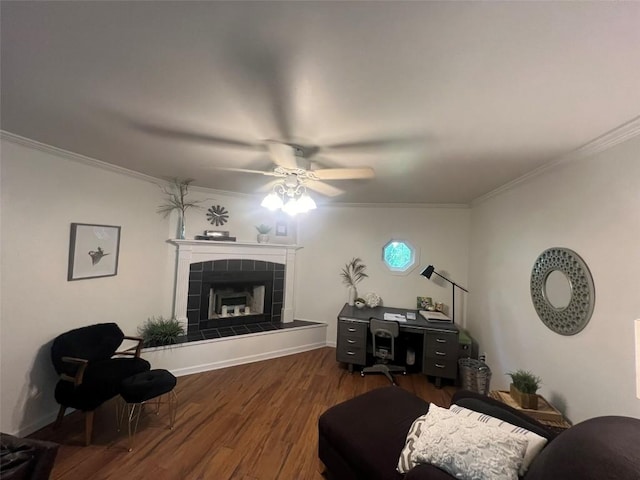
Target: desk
438, 342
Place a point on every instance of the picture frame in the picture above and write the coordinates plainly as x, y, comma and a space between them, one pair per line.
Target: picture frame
423, 303
281, 229
93, 251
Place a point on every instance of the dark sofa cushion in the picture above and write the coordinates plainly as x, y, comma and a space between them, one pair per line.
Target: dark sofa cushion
602, 448
378, 422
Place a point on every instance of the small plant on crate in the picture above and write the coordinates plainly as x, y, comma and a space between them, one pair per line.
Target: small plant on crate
523, 388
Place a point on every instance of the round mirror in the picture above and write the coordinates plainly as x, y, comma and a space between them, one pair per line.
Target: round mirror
557, 290
562, 290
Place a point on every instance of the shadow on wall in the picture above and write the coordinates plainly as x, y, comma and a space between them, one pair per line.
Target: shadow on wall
36, 404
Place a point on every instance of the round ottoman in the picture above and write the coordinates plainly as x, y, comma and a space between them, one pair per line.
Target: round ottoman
139, 389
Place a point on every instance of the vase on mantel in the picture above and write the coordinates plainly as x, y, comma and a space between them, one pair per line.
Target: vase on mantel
352, 295
181, 226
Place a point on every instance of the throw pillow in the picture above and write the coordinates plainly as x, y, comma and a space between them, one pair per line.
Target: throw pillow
407, 458
468, 449
535, 441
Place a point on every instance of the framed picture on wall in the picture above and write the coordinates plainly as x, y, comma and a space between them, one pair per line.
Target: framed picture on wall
281, 229
93, 251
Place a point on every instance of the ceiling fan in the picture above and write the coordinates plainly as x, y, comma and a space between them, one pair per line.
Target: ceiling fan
294, 170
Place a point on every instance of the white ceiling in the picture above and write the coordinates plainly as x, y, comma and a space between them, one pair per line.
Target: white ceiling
445, 100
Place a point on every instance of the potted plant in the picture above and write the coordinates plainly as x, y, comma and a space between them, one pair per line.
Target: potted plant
263, 233
160, 331
523, 388
352, 274
176, 194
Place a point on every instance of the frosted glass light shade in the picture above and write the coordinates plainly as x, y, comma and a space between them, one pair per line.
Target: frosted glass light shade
291, 207
306, 203
272, 201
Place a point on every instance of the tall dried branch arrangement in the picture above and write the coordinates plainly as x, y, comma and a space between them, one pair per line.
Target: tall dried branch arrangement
177, 197
353, 272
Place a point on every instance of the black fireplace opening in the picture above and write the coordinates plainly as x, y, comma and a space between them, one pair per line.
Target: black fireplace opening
228, 293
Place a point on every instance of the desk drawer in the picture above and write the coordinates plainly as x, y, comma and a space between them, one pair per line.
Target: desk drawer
352, 329
439, 344
351, 354
440, 367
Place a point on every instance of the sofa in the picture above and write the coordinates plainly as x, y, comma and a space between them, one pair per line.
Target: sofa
362, 438
25, 458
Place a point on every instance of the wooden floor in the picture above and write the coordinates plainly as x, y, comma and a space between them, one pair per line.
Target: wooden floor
250, 422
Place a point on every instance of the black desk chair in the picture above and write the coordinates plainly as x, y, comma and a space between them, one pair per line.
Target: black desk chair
90, 368
384, 333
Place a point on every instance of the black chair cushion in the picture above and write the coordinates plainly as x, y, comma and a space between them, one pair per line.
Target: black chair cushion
145, 386
93, 342
102, 380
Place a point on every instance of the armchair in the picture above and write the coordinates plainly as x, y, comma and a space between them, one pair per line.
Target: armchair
91, 369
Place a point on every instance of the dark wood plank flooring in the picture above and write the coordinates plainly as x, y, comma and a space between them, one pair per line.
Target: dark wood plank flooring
251, 422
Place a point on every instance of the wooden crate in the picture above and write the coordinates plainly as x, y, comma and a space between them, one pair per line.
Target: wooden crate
544, 413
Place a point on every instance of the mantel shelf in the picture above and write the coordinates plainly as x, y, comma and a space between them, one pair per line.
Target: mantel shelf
179, 242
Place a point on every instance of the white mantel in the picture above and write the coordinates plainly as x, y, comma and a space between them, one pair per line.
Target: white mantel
195, 251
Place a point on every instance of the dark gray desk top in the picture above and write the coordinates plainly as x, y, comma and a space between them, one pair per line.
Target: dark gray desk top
364, 314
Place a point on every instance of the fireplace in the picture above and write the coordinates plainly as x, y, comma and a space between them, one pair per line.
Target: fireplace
234, 292
255, 283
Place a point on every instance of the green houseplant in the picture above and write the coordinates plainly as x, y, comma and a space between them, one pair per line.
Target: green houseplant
523, 388
160, 331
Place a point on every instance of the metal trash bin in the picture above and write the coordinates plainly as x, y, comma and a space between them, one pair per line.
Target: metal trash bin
475, 375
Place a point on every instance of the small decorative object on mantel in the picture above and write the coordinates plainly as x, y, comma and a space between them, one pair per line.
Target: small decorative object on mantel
360, 303
263, 233
217, 215
523, 388
373, 300
352, 274
177, 200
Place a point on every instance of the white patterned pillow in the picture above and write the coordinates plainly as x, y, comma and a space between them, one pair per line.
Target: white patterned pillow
535, 441
468, 449
407, 458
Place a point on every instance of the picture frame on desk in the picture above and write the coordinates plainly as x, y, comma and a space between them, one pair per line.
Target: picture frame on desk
423, 303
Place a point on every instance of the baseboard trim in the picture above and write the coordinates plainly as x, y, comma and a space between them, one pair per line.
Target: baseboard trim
232, 362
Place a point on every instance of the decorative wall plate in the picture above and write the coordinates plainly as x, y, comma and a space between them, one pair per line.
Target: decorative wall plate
555, 266
217, 215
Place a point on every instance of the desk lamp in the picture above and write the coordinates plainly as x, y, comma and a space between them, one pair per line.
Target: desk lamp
430, 270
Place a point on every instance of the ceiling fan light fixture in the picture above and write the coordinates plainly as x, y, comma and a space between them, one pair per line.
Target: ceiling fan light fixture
306, 203
273, 201
292, 207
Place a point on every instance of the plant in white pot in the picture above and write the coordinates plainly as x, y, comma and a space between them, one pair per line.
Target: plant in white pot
263, 233
523, 388
352, 274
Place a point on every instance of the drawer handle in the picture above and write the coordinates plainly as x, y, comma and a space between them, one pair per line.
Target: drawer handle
439, 365
440, 340
442, 354
351, 329
351, 341
351, 353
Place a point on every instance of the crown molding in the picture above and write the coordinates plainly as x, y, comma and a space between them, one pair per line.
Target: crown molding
608, 140
76, 157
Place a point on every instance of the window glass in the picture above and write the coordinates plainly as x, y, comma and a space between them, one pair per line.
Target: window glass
399, 255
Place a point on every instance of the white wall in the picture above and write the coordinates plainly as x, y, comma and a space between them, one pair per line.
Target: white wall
42, 193
331, 236
592, 206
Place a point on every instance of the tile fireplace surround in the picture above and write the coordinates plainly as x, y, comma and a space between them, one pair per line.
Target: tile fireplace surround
192, 254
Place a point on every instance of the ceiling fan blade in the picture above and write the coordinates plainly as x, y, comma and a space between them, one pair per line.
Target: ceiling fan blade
268, 187
379, 143
282, 155
191, 136
323, 188
344, 173
247, 170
